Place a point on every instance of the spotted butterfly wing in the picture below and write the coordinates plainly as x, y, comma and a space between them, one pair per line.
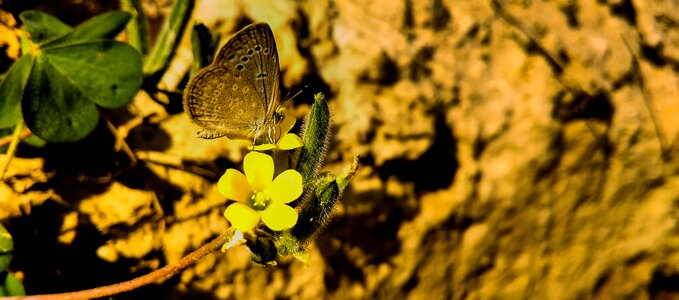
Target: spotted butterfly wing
253, 53
223, 107
237, 95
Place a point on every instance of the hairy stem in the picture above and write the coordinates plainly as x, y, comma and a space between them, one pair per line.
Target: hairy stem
157, 275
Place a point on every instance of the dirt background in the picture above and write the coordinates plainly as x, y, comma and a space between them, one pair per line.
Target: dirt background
510, 149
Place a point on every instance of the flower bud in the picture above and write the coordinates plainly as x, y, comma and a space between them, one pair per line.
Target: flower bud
315, 140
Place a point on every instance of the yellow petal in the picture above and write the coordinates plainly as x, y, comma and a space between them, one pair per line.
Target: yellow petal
286, 187
241, 216
288, 121
233, 185
258, 170
279, 217
263, 147
289, 141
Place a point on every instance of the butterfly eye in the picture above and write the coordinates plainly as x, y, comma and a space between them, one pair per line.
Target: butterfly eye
278, 116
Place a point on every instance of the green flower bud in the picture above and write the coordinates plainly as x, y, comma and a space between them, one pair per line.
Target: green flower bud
315, 211
315, 139
262, 248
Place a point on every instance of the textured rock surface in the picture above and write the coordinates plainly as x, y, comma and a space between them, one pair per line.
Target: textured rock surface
509, 150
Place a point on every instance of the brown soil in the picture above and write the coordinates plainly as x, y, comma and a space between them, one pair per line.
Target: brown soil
509, 150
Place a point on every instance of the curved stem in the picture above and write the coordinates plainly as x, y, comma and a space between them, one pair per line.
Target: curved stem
157, 275
12, 148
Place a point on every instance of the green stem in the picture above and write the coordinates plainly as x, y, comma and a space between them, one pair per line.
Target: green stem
157, 275
137, 34
168, 39
16, 136
203, 47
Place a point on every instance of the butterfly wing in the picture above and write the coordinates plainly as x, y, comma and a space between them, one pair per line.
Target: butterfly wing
252, 53
224, 103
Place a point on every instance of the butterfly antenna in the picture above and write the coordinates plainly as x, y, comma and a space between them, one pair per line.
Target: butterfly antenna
287, 98
299, 92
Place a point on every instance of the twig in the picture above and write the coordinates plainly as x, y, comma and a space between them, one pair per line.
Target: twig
638, 74
157, 275
120, 143
175, 162
556, 64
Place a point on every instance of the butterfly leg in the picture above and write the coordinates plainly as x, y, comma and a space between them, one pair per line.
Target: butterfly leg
272, 134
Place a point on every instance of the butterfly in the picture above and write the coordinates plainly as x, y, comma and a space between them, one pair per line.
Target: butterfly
238, 95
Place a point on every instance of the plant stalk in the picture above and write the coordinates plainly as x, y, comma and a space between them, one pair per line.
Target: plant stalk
16, 136
155, 276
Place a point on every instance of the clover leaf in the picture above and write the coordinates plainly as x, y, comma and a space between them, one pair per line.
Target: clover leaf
59, 83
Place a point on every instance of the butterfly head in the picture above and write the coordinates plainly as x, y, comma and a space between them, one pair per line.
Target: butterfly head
272, 129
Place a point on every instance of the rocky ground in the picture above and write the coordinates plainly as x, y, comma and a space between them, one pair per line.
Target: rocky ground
510, 149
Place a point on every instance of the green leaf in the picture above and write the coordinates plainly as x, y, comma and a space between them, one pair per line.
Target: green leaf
54, 108
11, 90
11, 286
66, 82
35, 141
107, 73
43, 27
6, 247
104, 26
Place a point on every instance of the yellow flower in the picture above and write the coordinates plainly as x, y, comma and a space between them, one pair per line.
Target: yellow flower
288, 141
258, 196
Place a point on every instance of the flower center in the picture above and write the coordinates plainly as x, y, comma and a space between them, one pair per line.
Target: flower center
259, 200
